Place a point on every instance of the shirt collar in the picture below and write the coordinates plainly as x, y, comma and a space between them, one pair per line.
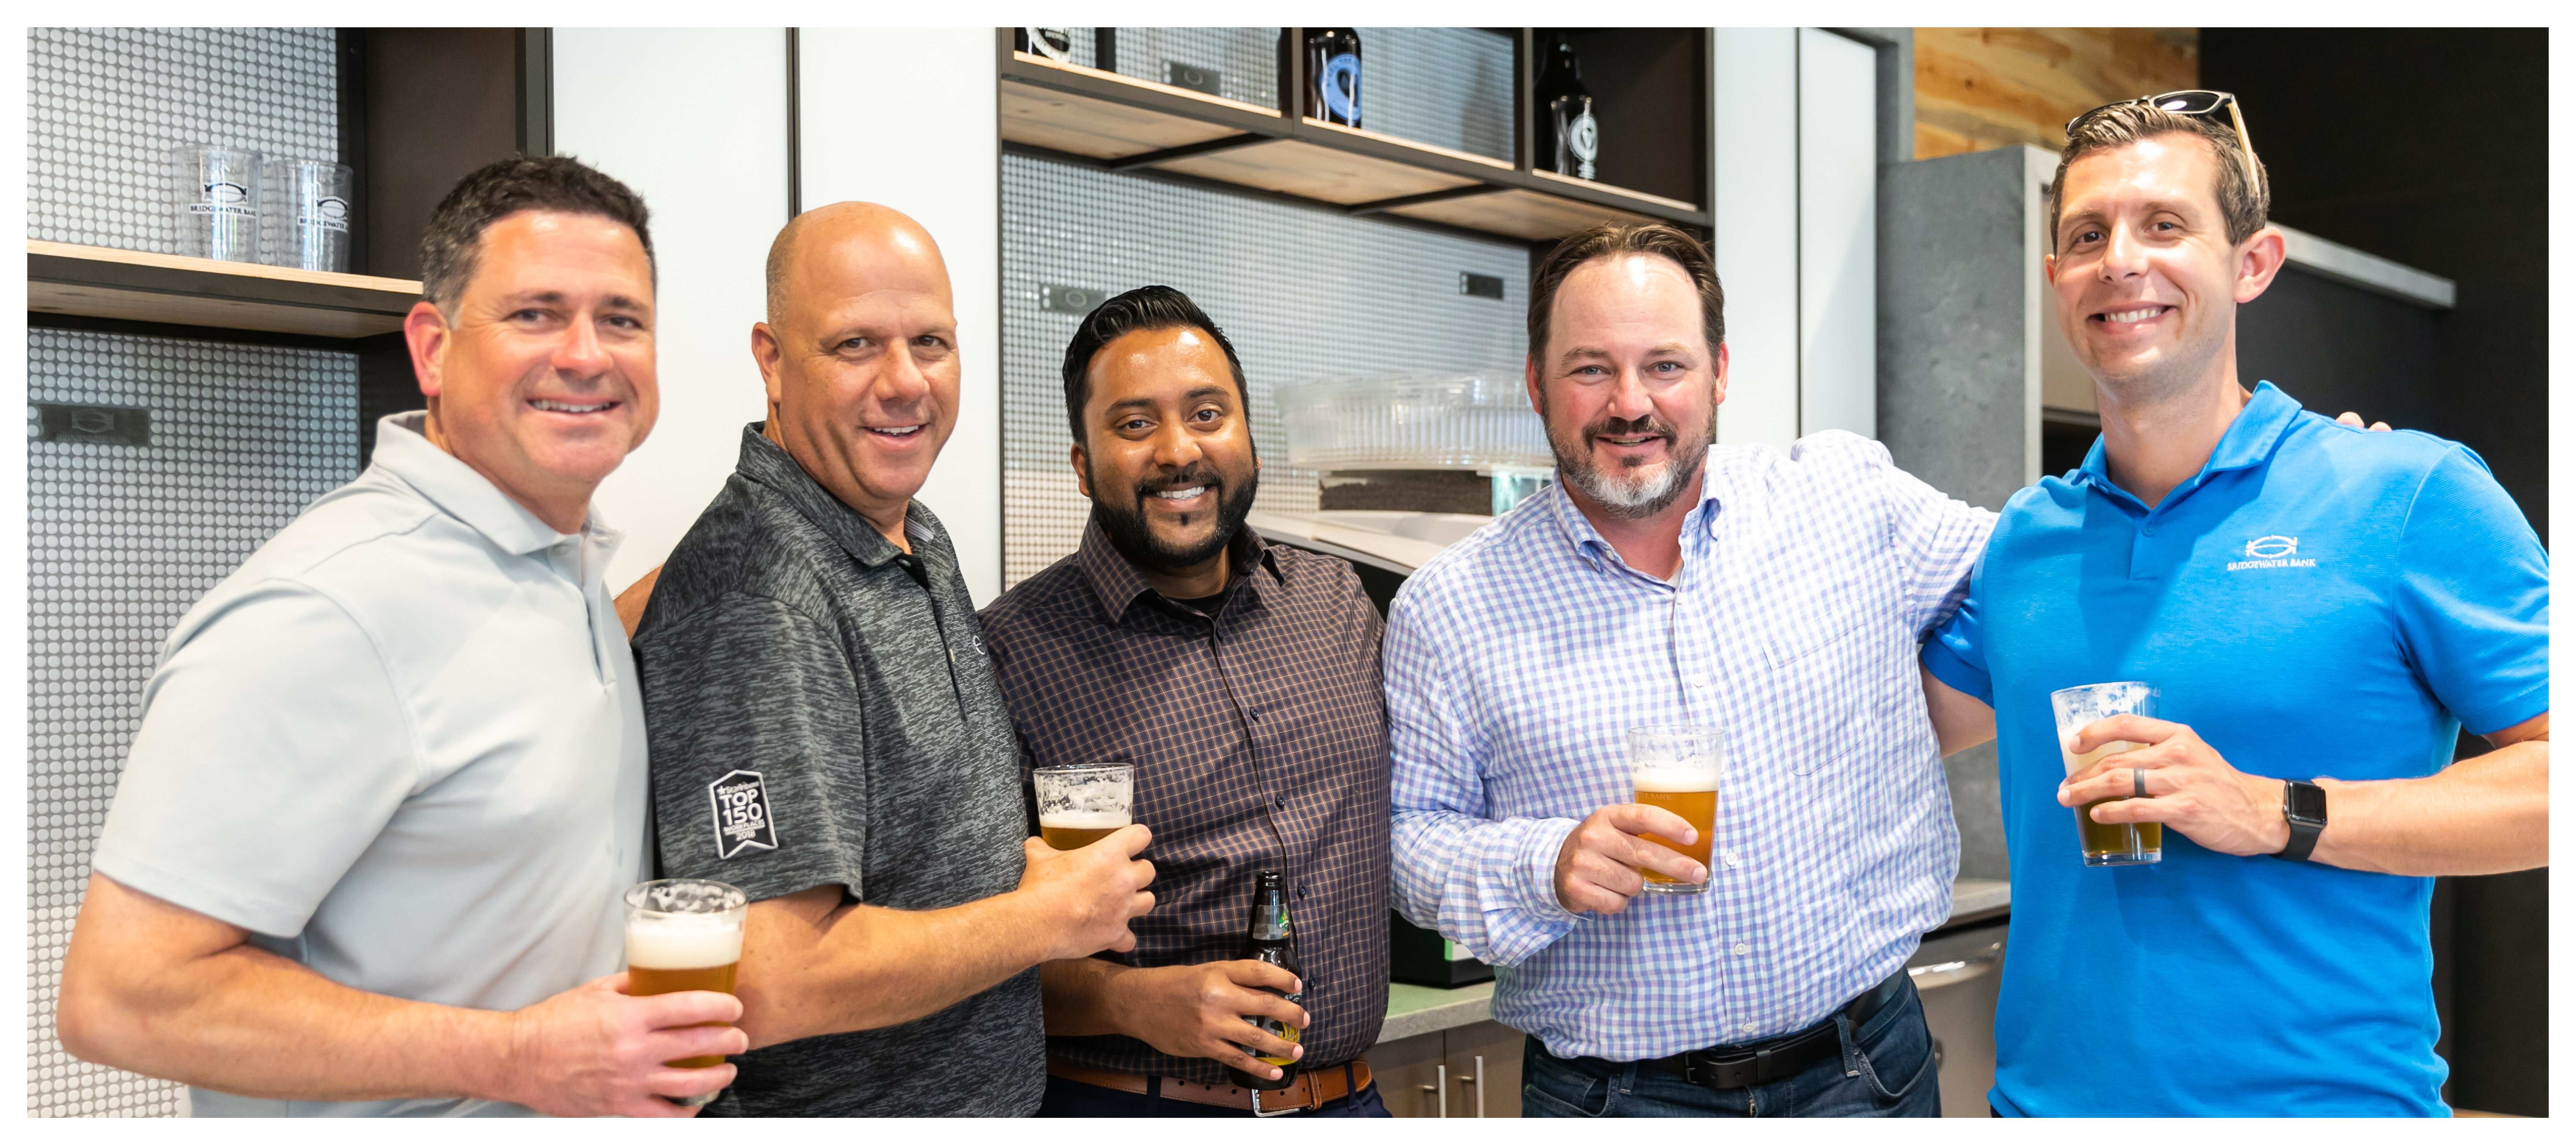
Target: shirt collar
403, 449
2248, 442
1588, 542
1116, 581
764, 463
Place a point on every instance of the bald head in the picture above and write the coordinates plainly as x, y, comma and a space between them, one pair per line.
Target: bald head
834, 247
859, 355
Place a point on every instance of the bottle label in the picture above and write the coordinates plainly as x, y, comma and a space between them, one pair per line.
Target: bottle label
1341, 83
1583, 137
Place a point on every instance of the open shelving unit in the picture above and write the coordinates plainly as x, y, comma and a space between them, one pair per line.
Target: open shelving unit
138, 286
1122, 123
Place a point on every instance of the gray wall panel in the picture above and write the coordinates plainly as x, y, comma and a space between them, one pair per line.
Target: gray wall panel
121, 540
106, 105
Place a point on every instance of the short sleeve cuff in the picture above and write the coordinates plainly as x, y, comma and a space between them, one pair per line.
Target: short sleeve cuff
228, 905
1952, 669
2495, 717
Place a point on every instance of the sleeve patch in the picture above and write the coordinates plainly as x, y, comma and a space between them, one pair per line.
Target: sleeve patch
741, 805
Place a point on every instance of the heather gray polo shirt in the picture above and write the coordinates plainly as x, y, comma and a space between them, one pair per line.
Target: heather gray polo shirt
401, 745
822, 714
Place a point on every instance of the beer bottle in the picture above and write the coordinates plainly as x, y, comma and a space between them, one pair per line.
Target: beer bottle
1571, 139
1273, 939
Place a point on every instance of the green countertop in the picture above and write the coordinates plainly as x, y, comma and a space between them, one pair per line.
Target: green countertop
1412, 1011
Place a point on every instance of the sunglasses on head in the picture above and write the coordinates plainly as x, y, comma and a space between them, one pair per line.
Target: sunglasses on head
2197, 105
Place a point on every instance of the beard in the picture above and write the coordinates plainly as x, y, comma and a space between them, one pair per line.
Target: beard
1123, 521
1632, 490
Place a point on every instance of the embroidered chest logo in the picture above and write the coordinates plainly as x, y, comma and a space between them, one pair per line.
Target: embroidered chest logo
2273, 552
741, 806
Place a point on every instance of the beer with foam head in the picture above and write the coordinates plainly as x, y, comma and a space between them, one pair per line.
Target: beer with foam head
1067, 830
1081, 804
1677, 767
684, 934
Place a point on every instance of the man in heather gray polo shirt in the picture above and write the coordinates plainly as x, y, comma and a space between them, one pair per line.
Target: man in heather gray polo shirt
827, 733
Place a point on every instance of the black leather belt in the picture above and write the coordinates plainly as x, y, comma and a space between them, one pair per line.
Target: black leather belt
1734, 1067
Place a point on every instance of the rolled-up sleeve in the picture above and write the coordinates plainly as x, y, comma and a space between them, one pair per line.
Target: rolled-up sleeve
1486, 884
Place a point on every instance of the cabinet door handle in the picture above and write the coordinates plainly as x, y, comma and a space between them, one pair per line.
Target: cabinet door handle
1480, 1089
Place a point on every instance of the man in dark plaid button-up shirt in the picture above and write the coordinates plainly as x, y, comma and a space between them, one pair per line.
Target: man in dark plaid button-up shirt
1241, 680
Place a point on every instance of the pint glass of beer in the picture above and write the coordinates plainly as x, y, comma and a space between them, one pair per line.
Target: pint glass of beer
1080, 805
1676, 768
2106, 844
684, 934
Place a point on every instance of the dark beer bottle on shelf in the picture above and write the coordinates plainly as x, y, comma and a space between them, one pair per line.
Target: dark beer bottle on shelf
1332, 75
1571, 138
1272, 938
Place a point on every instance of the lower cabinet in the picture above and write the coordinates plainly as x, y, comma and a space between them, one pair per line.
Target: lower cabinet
1470, 1071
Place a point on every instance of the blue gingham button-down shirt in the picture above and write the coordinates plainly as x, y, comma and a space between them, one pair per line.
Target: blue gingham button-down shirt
1516, 661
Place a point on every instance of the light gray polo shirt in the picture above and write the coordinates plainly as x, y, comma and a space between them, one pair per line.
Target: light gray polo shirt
402, 745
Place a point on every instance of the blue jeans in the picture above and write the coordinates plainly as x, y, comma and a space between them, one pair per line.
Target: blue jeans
1885, 1070
1067, 1098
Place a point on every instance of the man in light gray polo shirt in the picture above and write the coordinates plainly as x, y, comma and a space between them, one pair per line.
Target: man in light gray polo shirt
367, 852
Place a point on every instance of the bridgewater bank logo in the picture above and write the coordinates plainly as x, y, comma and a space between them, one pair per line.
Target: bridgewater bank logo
2274, 552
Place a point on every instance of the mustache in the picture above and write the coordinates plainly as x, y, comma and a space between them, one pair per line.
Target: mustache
1631, 427
1199, 473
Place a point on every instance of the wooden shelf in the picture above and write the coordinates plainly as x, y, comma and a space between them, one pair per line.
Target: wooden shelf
136, 286
1311, 171
1121, 123
1095, 128
1520, 214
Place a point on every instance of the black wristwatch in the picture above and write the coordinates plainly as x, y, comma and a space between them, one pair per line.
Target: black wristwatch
2303, 807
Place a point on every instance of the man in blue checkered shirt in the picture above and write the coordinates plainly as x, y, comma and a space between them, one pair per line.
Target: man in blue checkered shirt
1781, 595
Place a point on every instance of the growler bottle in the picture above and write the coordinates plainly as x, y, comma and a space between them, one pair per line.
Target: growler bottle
1332, 74
1273, 939
1571, 140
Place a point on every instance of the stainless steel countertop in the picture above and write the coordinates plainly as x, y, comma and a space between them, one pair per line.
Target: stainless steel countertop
1412, 1011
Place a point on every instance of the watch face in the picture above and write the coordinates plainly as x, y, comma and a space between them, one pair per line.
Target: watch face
2307, 801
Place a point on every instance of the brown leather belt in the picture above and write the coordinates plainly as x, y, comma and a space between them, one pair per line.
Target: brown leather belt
1311, 1090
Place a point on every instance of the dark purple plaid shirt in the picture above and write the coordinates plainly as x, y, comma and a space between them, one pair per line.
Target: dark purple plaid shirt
1259, 739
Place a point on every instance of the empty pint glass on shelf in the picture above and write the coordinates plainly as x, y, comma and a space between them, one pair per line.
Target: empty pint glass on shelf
1080, 805
684, 934
2106, 844
215, 193
1676, 767
304, 210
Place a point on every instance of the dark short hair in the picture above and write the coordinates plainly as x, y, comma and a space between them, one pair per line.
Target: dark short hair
1144, 308
2244, 196
1604, 240
498, 190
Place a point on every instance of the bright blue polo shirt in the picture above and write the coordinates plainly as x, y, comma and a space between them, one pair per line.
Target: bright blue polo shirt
2318, 600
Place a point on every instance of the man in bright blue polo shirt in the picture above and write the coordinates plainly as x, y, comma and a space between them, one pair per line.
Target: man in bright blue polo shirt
2321, 609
